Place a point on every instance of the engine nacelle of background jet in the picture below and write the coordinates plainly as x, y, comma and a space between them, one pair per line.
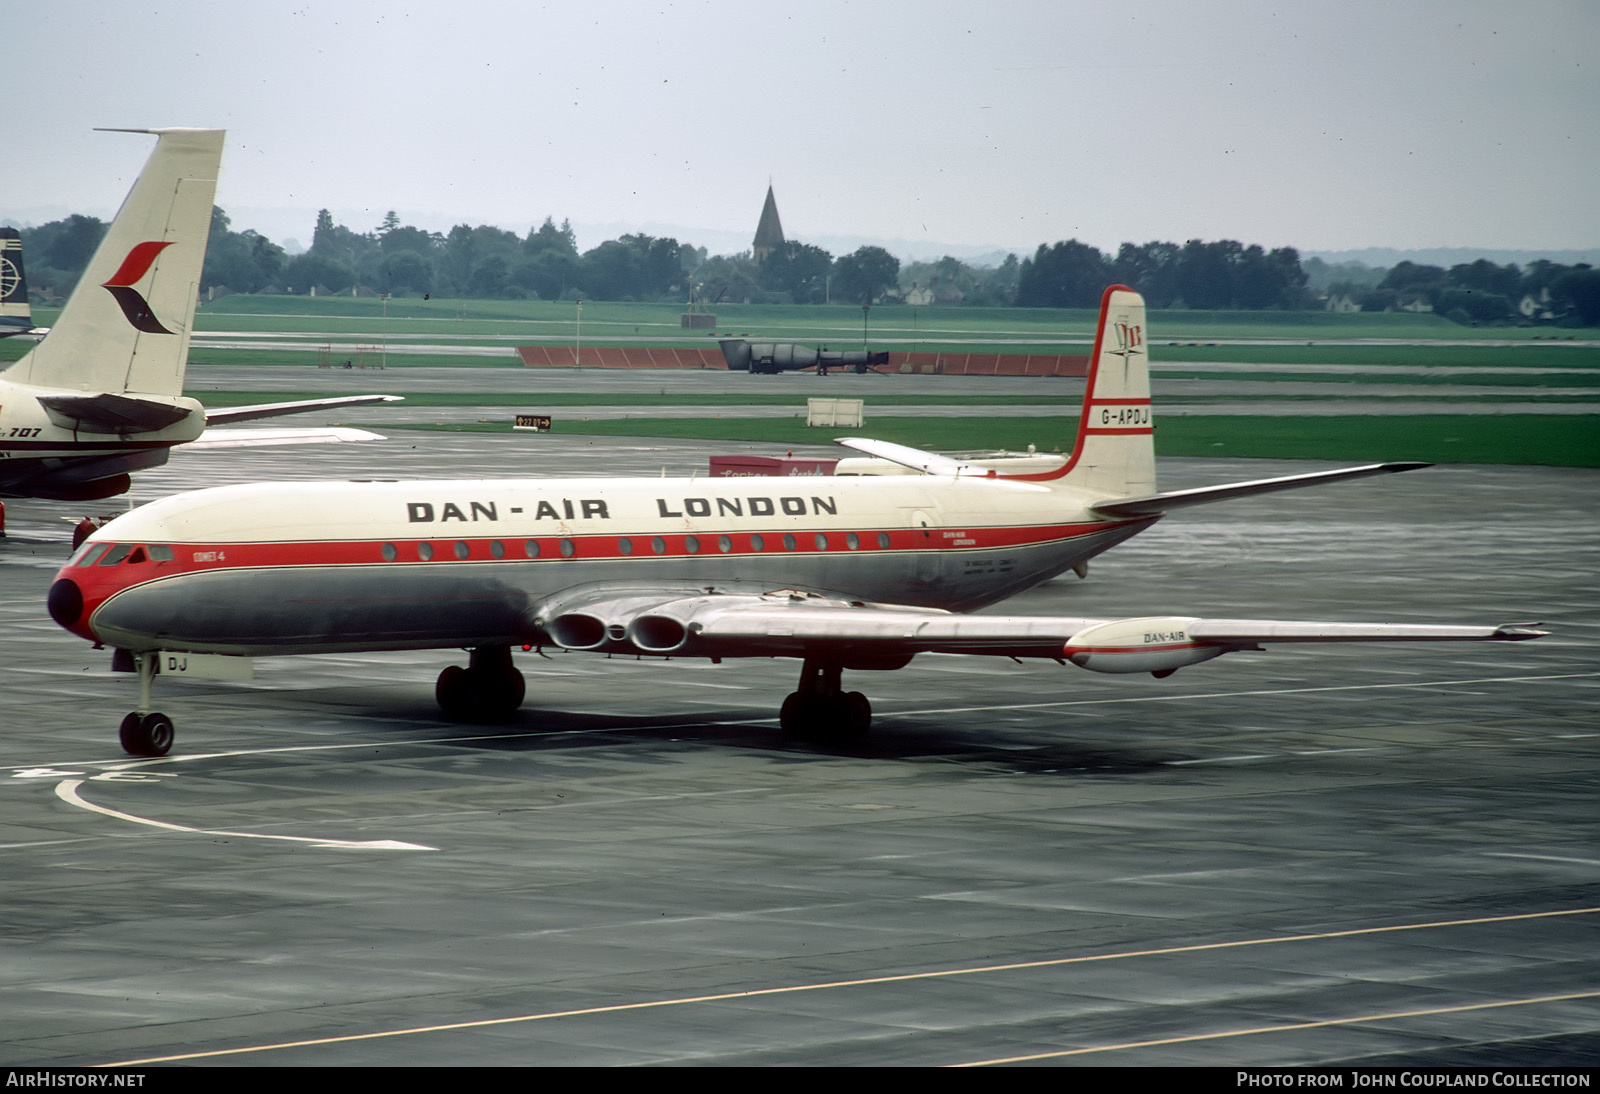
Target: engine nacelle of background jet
1157, 644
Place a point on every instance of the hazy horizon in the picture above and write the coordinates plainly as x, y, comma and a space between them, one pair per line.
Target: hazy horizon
947, 127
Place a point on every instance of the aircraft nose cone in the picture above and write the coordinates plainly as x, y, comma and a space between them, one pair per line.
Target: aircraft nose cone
65, 602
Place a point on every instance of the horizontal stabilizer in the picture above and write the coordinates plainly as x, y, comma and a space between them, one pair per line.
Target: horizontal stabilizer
302, 406
10, 326
255, 438
109, 413
1155, 504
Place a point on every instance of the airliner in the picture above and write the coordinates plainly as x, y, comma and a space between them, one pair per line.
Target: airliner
843, 573
101, 395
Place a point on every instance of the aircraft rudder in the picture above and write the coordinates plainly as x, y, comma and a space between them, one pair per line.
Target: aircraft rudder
126, 326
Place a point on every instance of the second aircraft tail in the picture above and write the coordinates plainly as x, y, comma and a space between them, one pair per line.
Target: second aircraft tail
126, 327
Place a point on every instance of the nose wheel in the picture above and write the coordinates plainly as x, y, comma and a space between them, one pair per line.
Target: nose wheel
145, 732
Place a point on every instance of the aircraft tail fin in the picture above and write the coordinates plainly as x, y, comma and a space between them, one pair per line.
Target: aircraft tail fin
16, 317
1115, 454
126, 326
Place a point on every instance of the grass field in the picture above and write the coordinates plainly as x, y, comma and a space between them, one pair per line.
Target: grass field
1265, 348
890, 322
607, 317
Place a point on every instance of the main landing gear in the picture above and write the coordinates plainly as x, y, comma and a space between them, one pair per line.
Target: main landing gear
820, 710
146, 732
489, 689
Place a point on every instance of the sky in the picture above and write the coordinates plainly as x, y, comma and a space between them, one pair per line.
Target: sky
929, 127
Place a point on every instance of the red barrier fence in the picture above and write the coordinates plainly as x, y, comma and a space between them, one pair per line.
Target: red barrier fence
622, 357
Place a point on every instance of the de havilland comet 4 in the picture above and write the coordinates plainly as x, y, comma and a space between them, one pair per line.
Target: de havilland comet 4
842, 573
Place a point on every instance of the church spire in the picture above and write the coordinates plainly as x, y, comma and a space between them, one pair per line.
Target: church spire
769, 232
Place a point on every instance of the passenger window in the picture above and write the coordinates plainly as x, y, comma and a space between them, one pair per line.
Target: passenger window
390, 553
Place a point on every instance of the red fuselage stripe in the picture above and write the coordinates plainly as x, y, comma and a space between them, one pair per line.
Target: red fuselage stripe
101, 583
1070, 649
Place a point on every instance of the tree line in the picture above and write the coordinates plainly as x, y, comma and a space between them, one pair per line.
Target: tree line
488, 262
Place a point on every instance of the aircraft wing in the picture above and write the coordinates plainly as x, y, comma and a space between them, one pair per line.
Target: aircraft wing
795, 623
273, 410
251, 438
930, 463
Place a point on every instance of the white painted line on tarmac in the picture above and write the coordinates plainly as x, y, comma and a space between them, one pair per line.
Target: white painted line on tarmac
67, 791
1285, 1027
1543, 858
746, 994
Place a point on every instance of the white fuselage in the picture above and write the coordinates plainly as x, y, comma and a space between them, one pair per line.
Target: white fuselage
309, 567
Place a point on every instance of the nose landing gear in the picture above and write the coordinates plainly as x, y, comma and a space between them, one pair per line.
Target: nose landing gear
145, 732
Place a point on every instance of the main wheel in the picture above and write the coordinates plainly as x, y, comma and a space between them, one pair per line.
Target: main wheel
481, 695
835, 719
451, 691
841, 719
856, 716
794, 717
146, 734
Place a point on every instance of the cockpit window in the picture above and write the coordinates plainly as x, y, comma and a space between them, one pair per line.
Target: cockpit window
89, 553
117, 554
160, 552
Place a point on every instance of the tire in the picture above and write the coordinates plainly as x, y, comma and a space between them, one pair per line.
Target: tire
451, 691
146, 734
796, 716
857, 716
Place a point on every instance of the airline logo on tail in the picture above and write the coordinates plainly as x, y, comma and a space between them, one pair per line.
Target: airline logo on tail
13, 289
1129, 339
133, 304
